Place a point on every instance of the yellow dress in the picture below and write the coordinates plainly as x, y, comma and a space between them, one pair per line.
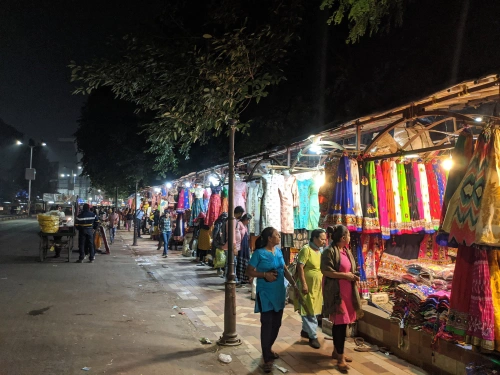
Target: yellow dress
494, 265
314, 299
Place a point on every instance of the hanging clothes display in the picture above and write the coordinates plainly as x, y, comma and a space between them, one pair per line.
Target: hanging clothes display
416, 224
181, 202
370, 217
389, 194
356, 193
301, 213
494, 265
431, 252
464, 207
269, 191
372, 248
240, 194
225, 200
383, 211
462, 154
342, 206
403, 199
397, 199
253, 207
313, 219
289, 200
197, 206
434, 204
206, 199
179, 226
327, 190
214, 206
424, 189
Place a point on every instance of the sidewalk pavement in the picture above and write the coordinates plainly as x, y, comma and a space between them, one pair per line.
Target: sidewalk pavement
200, 294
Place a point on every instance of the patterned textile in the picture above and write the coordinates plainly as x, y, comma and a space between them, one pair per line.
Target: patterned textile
342, 207
392, 267
214, 206
424, 189
488, 225
441, 180
458, 318
300, 238
196, 210
464, 208
224, 207
403, 196
240, 194
287, 240
462, 153
269, 190
313, 220
371, 173
416, 224
181, 202
431, 252
301, 213
328, 188
370, 215
420, 201
372, 248
494, 265
397, 199
481, 328
382, 203
289, 199
179, 226
253, 207
356, 193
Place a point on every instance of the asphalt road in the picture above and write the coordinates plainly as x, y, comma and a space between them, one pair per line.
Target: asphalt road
58, 317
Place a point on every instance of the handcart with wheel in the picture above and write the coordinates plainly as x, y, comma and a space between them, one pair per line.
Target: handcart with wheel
64, 239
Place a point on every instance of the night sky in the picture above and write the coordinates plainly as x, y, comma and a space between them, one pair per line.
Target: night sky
37, 40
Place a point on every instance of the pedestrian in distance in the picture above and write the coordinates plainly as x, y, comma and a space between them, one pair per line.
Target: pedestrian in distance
165, 227
309, 283
268, 266
243, 247
139, 215
129, 216
238, 213
340, 292
113, 219
85, 222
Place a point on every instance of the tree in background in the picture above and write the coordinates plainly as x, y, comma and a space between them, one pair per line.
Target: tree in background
201, 73
112, 143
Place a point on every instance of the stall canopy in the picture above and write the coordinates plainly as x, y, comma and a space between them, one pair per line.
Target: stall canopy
427, 126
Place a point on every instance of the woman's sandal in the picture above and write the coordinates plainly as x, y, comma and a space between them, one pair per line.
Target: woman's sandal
346, 358
343, 367
361, 346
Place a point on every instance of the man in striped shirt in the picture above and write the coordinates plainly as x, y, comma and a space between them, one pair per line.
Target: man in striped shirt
84, 222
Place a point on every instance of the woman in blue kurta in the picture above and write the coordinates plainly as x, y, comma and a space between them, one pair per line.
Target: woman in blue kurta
268, 266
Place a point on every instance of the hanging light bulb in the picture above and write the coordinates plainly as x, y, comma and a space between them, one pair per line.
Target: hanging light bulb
448, 163
320, 179
169, 185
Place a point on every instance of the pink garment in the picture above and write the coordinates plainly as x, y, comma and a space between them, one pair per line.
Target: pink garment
420, 201
348, 315
382, 204
240, 194
239, 233
180, 203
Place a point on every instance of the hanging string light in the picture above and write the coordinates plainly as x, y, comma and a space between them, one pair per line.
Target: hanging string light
448, 163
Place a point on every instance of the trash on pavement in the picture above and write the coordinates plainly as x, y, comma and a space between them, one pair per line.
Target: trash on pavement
182, 313
172, 316
205, 340
225, 358
86, 368
282, 369
175, 307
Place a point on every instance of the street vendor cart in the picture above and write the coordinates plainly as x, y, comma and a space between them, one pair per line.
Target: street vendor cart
57, 231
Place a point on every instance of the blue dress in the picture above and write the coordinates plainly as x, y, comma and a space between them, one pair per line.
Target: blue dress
270, 295
342, 204
301, 215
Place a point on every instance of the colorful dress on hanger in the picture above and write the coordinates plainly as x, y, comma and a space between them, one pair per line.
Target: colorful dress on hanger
431, 252
462, 154
434, 204
240, 194
225, 200
397, 199
389, 194
372, 248
370, 217
214, 206
181, 202
424, 189
403, 199
253, 207
301, 214
206, 199
416, 224
383, 212
328, 189
342, 207
289, 200
197, 207
313, 220
179, 226
464, 208
441, 180
494, 265
356, 193
269, 191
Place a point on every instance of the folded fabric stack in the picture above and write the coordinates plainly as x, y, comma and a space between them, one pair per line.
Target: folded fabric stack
407, 301
412, 274
434, 311
438, 277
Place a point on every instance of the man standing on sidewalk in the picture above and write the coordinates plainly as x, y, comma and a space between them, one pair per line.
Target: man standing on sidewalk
113, 219
85, 222
165, 224
138, 221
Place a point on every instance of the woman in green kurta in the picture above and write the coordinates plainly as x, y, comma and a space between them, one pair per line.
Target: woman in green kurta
309, 284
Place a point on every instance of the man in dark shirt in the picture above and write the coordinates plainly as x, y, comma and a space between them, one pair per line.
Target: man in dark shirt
85, 222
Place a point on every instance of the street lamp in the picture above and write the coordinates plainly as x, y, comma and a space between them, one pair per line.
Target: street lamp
19, 143
30, 175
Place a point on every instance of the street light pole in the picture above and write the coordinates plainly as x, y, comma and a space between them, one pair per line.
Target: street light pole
135, 215
230, 336
29, 182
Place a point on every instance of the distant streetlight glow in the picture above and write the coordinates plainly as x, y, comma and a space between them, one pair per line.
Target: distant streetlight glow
169, 185
19, 143
79, 167
44, 144
478, 119
62, 174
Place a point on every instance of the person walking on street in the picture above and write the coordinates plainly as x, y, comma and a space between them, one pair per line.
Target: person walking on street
113, 219
129, 217
85, 222
340, 293
165, 224
309, 283
268, 266
238, 212
138, 221
243, 247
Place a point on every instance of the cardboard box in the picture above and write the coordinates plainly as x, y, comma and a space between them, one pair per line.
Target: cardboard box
379, 298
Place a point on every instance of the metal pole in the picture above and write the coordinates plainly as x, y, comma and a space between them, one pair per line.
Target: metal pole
134, 221
29, 182
229, 336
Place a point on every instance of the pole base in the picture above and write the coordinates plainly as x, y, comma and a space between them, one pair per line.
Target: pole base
228, 341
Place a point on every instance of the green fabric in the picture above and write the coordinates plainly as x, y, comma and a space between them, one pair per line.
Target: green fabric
372, 177
313, 301
403, 196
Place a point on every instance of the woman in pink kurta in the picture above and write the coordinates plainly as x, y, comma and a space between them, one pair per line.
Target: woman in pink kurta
348, 314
